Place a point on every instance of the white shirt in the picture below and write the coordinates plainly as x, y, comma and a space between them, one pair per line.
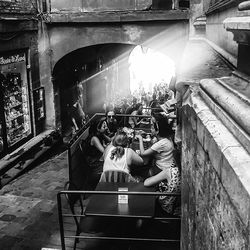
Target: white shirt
119, 164
164, 156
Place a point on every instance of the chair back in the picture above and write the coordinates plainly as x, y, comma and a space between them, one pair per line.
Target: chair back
115, 176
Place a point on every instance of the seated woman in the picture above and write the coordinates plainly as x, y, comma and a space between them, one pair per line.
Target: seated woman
167, 174
119, 157
95, 146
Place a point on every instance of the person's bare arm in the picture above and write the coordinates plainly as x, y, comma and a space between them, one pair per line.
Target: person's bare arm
74, 122
106, 151
134, 158
135, 120
153, 180
96, 142
144, 152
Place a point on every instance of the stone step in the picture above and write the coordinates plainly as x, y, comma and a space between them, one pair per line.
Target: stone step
26, 161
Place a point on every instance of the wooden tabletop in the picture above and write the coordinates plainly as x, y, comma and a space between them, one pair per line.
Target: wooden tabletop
139, 206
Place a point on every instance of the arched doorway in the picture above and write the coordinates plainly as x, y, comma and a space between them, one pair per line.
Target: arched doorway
149, 68
89, 75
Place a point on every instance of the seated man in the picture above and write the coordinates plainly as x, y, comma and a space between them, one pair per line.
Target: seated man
133, 120
112, 123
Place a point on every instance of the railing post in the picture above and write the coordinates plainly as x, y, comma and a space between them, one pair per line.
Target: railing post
60, 218
175, 4
48, 6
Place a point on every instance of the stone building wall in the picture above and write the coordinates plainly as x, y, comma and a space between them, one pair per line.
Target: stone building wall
216, 186
98, 5
17, 7
216, 32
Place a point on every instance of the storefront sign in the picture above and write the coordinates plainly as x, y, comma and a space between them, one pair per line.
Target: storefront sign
12, 59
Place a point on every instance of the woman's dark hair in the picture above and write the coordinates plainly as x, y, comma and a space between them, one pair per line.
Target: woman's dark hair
165, 129
100, 122
120, 142
93, 128
137, 106
95, 125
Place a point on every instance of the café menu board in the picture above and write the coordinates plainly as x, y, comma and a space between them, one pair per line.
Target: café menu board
39, 103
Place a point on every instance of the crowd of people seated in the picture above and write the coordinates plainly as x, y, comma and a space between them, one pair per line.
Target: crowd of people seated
132, 104
109, 149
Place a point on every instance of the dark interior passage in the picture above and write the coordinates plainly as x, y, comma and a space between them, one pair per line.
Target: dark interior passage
86, 74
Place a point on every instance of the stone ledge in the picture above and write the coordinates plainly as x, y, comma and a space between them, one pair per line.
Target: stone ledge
238, 132
118, 16
232, 109
237, 23
240, 27
229, 159
212, 134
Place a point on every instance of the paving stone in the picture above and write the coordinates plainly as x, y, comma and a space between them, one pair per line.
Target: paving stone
20, 219
46, 182
8, 217
3, 224
28, 194
7, 242
33, 208
47, 206
13, 229
28, 244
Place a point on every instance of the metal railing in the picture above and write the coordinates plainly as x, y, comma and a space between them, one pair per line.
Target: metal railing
138, 239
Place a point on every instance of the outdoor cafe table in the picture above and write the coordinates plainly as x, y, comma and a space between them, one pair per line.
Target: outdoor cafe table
138, 206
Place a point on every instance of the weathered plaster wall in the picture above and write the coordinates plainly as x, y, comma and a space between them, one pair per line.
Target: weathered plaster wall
17, 7
216, 182
99, 5
216, 32
196, 10
168, 37
46, 75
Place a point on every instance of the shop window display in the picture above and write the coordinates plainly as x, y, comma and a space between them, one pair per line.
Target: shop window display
15, 98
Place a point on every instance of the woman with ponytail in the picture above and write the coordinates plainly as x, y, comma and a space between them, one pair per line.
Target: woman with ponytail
118, 156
